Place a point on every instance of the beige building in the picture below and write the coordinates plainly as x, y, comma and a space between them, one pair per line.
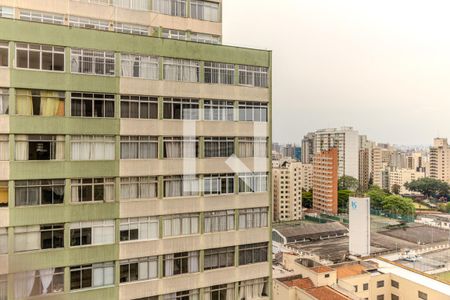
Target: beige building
289, 179
440, 160
401, 176
377, 166
134, 153
325, 181
371, 279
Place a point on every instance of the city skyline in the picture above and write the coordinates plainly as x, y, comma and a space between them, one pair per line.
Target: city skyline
351, 64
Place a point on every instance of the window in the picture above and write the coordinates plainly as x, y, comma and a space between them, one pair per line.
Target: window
253, 111
219, 258
422, 295
252, 147
92, 105
219, 146
180, 147
219, 73
140, 66
138, 188
394, 284
43, 17
132, 4
174, 34
92, 233
184, 295
380, 284
180, 263
253, 289
39, 57
365, 286
3, 244
355, 286
253, 76
218, 221
138, 269
4, 147
205, 38
93, 189
40, 103
37, 237
87, 147
394, 297
177, 225
252, 253
40, 282
204, 10
181, 186
39, 147
4, 279
220, 292
253, 182
253, 218
138, 107
181, 109
131, 28
94, 275
218, 184
138, 147
181, 70
92, 62
39, 192
81, 22
6, 12
4, 51
380, 297
218, 110
143, 228
170, 7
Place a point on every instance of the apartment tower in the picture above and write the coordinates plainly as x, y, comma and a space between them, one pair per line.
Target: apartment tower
325, 181
440, 160
288, 180
133, 153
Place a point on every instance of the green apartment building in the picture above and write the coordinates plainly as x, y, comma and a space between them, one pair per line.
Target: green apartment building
134, 153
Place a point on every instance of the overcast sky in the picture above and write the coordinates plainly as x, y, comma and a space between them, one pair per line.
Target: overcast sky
381, 66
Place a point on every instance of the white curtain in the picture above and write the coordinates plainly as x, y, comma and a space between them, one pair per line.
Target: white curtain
4, 103
127, 65
176, 227
167, 227
230, 222
22, 147
168, 264
208, 224
4, 148
27, 238
193, 262
230, 291
23, 284
75, 63
153, 268
143, 268
173, 187
147, 190
185, 225
109, 191
60, 147
153, 229
173, 149
46, 279
75, 196
3, 287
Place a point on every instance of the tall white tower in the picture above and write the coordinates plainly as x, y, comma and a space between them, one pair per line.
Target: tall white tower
359, 219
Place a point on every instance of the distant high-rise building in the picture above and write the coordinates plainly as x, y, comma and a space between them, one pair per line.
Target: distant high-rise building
364, 168
440, 160
287, 190
308, 148
399, 177
346, 140
377, 167
325, 181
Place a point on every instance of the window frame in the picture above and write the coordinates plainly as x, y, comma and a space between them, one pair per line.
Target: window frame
32, 48
139, 102
91, 101
253, 253
224, 184
141, 141
219, 73
92, 183
125, 267
225, 257
225, 147
5, 45
38, 185
128, 225
88, 60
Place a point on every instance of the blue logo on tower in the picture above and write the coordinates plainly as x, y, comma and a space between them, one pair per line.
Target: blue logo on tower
354, 205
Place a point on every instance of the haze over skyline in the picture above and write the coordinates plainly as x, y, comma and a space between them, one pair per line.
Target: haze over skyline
381, 67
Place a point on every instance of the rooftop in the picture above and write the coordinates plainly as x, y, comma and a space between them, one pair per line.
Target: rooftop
322, 269
306, 230
348, 270
303, 283
326, 293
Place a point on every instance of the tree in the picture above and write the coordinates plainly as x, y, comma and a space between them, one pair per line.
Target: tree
395, 189
377, 196
343, 196
445, 207
348, 183
398, 205
429, 187
307, 199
